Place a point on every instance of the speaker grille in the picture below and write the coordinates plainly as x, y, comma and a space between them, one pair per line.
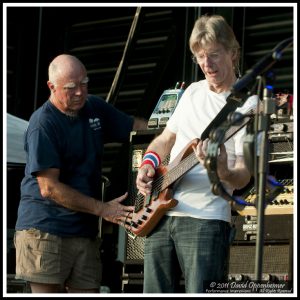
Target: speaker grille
135, 248
275, 259
281, 147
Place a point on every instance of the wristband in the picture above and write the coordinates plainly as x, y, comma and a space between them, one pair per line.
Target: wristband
151, 158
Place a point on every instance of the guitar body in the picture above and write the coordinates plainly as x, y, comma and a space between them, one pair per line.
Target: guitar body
147, 218
153, 207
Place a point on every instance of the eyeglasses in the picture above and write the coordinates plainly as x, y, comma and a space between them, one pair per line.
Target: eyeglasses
213, 56
71, 86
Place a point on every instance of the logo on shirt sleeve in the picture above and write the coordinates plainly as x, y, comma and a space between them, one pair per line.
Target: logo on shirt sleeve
95, 124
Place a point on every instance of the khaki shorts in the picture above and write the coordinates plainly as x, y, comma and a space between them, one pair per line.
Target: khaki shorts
46, 258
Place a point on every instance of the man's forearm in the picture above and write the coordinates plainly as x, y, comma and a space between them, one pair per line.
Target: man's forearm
68, 197
162, 144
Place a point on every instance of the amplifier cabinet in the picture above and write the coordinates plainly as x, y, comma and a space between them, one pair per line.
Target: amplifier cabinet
129, 249
276, 227
277, 262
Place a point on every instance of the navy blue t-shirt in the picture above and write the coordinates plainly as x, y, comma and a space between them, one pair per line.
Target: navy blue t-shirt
75, 147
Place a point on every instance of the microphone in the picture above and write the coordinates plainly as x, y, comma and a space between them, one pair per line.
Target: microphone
261, 66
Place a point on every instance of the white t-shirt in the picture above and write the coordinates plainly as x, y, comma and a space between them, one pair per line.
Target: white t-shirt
197, 107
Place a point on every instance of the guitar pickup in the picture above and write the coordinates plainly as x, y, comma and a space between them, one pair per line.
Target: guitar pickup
133, 224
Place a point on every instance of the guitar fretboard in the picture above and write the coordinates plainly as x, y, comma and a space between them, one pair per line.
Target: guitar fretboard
185, 165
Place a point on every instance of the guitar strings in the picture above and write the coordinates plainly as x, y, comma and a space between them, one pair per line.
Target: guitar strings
158, 184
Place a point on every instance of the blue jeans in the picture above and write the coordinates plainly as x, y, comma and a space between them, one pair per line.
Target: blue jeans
200, 246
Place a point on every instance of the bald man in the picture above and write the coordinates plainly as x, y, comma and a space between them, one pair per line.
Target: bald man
57, 249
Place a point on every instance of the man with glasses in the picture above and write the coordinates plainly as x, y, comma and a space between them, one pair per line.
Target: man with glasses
57, 225
195, 233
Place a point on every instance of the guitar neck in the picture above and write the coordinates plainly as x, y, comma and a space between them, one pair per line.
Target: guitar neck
179, 170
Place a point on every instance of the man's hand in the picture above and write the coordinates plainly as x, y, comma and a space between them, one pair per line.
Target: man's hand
115, 212
201, 150
144, 179
222, 164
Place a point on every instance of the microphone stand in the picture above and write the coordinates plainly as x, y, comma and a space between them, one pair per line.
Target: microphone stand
238, 93
263, 127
